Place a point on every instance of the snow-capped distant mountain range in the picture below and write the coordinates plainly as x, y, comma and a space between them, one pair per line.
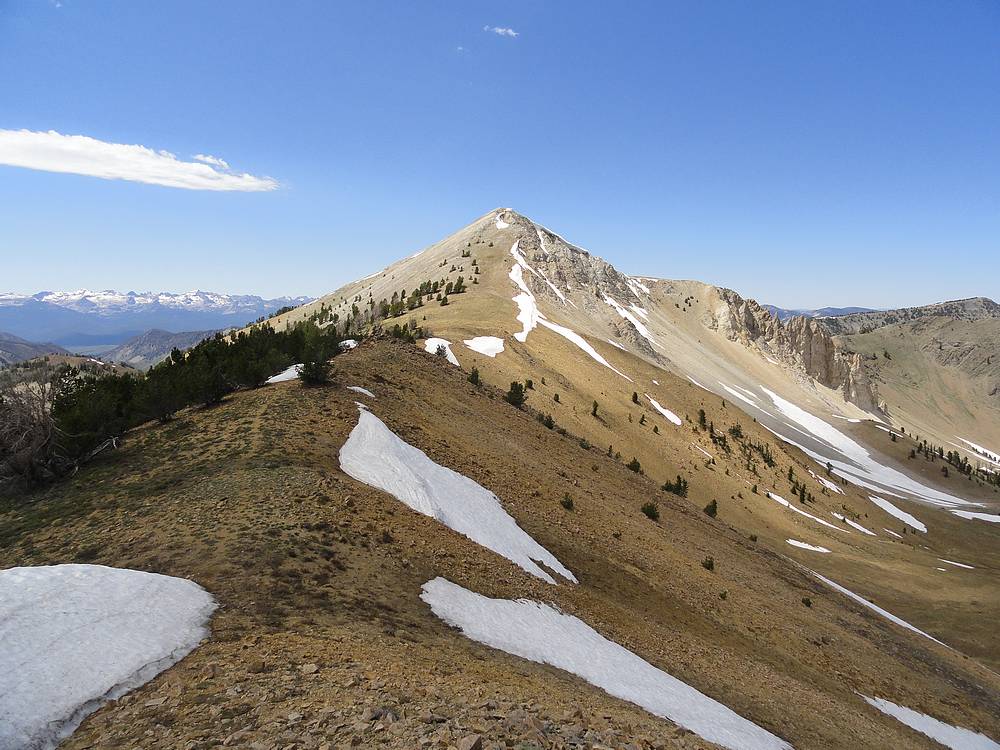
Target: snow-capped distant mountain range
110, 301
86, 318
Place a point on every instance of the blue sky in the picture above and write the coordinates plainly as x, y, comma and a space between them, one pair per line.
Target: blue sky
805, 154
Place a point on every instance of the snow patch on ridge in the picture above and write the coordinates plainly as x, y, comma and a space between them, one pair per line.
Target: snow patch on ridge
530, 316
639, 325
431, 345
582, 343
542, 634
982, 452
859, 467
853, 524
972, 515
491, 346
803, 545
899, 513
874, 607
737, 394
664, 411
528, 313
781, 501
635, 283
826, 482
957, 564
75, 636
375, 455
290, 374
542, 276
957, 738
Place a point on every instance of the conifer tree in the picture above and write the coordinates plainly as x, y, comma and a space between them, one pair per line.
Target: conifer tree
516, 395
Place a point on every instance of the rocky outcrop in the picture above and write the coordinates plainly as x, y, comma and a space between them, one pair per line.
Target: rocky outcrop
973, 308
572, 270
801, 342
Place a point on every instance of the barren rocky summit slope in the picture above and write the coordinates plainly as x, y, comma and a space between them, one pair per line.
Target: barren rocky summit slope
711, 335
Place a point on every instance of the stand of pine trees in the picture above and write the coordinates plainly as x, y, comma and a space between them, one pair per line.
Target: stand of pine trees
88, 411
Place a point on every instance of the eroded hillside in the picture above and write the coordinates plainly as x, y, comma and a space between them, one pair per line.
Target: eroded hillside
940, 378
322, 636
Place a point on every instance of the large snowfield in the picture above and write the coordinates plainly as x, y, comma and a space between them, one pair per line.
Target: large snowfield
375, 455
74, 636
542, 634
957, 738
851, 459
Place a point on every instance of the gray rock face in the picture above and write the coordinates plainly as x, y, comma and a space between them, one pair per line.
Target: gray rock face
801, 342
582, 279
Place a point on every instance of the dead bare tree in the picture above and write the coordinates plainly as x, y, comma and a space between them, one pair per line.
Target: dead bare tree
33, 448
29, 437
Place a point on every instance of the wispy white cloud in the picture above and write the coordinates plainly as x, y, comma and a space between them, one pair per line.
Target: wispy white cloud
80, 154
215, 161
501, 31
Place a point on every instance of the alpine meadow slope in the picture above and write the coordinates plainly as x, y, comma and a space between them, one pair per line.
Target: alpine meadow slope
324, 631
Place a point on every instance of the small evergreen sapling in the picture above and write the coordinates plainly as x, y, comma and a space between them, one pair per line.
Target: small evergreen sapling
516, 395
315, 371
